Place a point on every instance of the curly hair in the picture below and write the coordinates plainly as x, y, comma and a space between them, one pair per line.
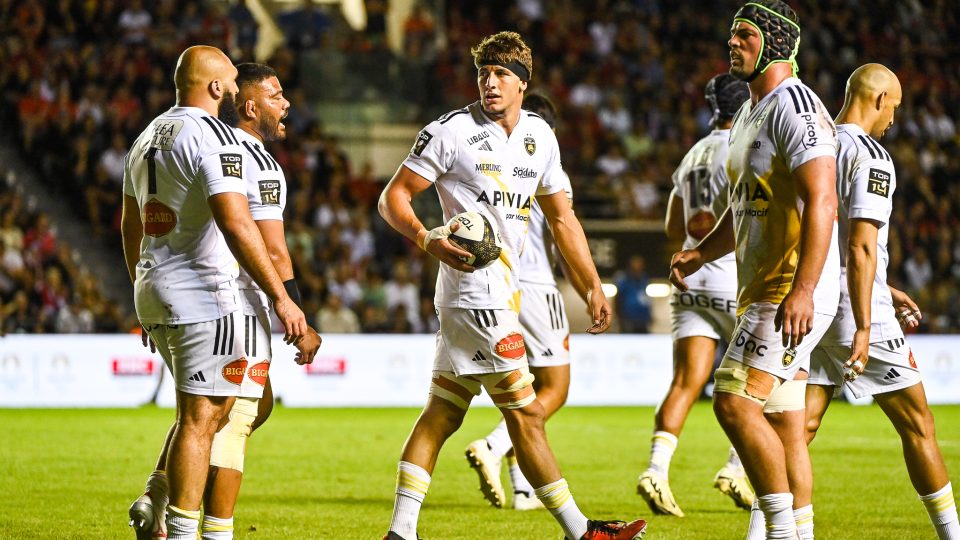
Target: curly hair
504, 48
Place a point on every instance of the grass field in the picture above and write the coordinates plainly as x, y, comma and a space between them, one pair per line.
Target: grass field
329, 473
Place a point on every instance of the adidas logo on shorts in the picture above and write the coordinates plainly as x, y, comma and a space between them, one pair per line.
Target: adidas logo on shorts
197, 377
479, 357
891, 375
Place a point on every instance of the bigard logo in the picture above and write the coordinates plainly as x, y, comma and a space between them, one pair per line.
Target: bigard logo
270, 192
232, 165
158, 219
233, 372
511, 347
258, 373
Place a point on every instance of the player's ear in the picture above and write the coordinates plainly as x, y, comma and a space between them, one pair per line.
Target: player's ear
216, 88
880, 99
523, 86
249, 109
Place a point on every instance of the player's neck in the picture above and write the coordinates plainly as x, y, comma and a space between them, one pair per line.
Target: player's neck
188, 99
850, 114
250, 130
508, 119
769, 80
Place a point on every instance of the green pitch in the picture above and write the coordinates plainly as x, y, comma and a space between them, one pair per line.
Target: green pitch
329, 473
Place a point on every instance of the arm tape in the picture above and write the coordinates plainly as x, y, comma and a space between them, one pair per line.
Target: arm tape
293, 292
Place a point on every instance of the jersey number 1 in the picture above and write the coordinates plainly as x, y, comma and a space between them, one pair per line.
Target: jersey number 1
151, 170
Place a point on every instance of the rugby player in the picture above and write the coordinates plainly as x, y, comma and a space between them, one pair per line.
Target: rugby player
866, 338
490, 157
546, 334
781, 222
705, 313
185, 225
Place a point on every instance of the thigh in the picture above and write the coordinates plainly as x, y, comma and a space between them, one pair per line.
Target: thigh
546, 330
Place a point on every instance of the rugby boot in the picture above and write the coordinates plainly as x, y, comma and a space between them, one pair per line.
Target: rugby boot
734, 484
614, 530
394, 536
488, 469
526, 501
147, 519
656, 491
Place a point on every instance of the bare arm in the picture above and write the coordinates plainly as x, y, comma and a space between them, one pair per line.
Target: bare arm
816, 186
395, 207
131, 230
861, 270
276, 243
569, 236
673, 224
716, 244
232, 214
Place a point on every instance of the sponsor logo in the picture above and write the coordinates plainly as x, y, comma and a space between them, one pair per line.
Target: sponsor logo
488, 168
530, 144
756, 145
478, 137
232, 165
233, 372
258, 373
479, 357
327, 366
486, 146
878, 182
270, 192
913, 363
511, 347
746, 341
523, 172
505, 198
158, 219
891, 375
164, 133
700, 224
688, 299
809, 130
789, 356
132, 366
566, 343
423, 138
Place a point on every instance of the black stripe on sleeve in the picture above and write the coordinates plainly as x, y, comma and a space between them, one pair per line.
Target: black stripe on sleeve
267, 158
796, 104
227, 130
813, 102
215, 130
253, 153
868, 146
803, 100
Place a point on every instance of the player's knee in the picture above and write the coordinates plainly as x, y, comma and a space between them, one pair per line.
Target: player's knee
512, 390
454, 390
230, 442
811, 427
733, 378
786, 397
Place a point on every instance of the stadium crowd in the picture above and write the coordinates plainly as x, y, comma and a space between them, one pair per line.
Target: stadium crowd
79, 80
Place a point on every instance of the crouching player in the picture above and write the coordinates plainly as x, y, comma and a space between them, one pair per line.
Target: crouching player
865, 344
261, 108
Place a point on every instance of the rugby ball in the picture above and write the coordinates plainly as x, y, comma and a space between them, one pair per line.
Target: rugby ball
479, 236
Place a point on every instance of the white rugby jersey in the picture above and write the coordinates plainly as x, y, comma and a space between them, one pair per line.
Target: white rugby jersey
476, 167
701, 181
537, 260
865, 183
186, 273
266, 192
768, 141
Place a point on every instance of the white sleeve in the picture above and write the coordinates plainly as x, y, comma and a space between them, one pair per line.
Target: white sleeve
871, 191
127, 177
721, 186
554, 178
222, 169
433, 153
802, 128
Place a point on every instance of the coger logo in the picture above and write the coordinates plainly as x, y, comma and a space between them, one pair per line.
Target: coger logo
233, 372
745, 341
158, 219
258, 373
511, 347
687, 299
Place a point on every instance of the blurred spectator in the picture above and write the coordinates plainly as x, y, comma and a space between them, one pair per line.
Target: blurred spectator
633, 304
305, 27
336, 318
134, 23
401, 293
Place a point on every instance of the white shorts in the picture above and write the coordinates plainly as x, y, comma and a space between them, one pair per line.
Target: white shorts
257, 333
474, 341
755, 343
208, 358
545, 326
711, 314
891, 367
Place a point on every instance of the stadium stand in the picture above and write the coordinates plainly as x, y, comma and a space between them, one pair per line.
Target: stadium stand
79, 79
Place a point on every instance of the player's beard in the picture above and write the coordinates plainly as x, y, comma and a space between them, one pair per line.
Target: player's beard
270, 129
227, 110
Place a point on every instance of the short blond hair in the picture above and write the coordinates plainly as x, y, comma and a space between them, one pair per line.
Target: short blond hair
504, 48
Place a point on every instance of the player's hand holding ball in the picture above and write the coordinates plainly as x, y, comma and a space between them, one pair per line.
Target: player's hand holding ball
469, 241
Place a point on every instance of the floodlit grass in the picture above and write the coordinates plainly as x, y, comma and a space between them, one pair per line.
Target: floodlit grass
329, 473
